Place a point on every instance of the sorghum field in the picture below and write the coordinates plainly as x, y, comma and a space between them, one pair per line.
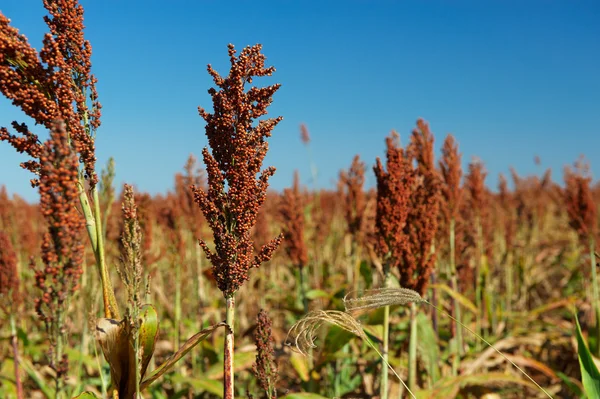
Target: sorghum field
430, 284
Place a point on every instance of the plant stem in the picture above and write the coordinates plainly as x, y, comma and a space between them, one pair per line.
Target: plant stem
509, 289
177, 317
15, 348
478, 280
386, 342
93, 223
200, 277
457, 312
596, 296
228, 392
412, 349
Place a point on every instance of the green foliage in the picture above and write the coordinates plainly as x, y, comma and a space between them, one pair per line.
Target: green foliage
589, 372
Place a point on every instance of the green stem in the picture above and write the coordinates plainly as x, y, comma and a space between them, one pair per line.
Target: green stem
386, 342
509, 289
412, 349
177, 317
228, 392
457, 311
478, 279
93, 224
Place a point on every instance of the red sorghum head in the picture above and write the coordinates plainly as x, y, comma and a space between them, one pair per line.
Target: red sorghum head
238, 147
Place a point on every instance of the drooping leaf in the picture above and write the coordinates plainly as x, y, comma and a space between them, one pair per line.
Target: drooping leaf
185, 348
456, 295
113, 337
300, 364
589, 372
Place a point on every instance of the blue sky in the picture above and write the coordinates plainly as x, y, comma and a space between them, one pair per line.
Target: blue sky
510, 79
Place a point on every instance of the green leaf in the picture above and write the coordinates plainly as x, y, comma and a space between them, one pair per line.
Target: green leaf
185, 348
35, 376
148, 335
428, 346
200, 384
366, 271
589, 372
300, 364
86, 395
242, 361
336, 339
314, 294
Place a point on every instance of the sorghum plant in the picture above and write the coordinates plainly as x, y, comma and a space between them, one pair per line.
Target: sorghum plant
451, 171
291, 211
477, 205
265, 367
507, 205
57, 84
418, 260
582, 212
62, 250
394, 187
234, 194
355, 204
10, 299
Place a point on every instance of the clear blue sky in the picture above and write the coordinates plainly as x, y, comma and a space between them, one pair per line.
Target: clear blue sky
510, 79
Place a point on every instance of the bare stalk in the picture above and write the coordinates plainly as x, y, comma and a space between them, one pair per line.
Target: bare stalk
412, 348
386, 342
228, 392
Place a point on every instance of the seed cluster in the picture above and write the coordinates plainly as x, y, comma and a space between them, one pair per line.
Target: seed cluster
54, 84
451, 171
238, 148
9, 279
408, 198
265, 367
580, 202
62, 251
355, 202
291, 212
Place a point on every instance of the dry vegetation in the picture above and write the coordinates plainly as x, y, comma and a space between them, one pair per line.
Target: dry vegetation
185, 295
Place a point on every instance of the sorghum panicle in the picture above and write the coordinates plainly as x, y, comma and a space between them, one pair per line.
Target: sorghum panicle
355, 202
394, 188
62, 250
132, 252
579, 201
451, 171
10, 297
422, 220
304, 134
265, 367
238, 147
54, 84
291, 212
